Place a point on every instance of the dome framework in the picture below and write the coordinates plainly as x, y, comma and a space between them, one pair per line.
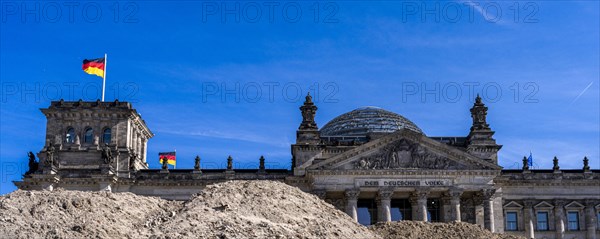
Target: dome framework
365, 120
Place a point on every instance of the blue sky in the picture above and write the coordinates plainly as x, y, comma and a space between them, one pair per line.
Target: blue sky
535, 63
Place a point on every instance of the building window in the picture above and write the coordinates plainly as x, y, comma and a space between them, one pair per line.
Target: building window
542, 221
106, 136
88, 137
70, 137
511, 221
367, 211
400, 210
433, 210
573, 220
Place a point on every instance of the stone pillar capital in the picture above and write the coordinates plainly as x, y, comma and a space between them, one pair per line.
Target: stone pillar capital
488, 193
352, 194
321, 193
560, 203
455, 193
528, 203
385, 194
419, 194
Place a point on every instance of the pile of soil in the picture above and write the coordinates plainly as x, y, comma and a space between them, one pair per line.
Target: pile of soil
235, 209
418, 230
75, 214
261, 209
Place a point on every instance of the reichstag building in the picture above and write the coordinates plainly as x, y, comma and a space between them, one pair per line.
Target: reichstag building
374, 164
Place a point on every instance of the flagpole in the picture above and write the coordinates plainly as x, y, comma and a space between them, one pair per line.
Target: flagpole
104, 77
175, 165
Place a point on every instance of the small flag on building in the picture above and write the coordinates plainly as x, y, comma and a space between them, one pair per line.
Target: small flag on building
169, 156
530, 160
94, 66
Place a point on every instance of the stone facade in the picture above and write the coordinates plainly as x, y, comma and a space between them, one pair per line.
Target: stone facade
371, 163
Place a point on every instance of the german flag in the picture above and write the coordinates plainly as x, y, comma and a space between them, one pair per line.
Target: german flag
94, 66
169, 156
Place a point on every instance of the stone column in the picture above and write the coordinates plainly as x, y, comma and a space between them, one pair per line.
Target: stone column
528, 218
352, 203
384, 198
418, 201
455, 204
559, 217
488, 205
590, 219
478, 208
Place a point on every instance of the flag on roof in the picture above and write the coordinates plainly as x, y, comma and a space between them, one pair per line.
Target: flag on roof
169, 156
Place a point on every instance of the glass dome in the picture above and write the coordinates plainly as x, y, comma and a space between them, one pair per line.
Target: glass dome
362, 121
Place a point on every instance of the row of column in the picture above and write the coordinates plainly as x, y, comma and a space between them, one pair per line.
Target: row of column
418, 200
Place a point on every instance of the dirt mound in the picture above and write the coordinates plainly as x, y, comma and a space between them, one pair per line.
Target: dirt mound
261, 209
236, 209
417, 230
75, 214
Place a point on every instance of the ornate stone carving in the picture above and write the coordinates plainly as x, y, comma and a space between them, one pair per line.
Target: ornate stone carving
525, 163
586, 164
385, 194
107, 155
404, 154
559, 203
229, 163
419, 195
479, 114
352, 194
261, 165
165, 164
51, 160
132, 157
488, 193
33, 165
528, 203
197, 163
308, 114
555, 166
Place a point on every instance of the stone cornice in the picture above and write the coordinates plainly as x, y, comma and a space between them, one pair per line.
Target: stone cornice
403, 172
548, 183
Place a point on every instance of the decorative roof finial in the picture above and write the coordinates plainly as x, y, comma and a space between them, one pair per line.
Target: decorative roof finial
261, 165
197, 163
308, 114
525, 163
308, 98
586, 162
229, 163
479, 114
555, 163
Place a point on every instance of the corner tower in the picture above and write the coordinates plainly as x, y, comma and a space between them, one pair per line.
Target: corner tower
88, 135
308, 139
480, 141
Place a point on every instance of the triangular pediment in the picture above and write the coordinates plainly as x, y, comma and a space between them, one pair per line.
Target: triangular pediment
405, 149
513, 205
574, 205
544, 205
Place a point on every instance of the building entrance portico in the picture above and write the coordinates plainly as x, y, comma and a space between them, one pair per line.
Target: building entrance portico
417, 204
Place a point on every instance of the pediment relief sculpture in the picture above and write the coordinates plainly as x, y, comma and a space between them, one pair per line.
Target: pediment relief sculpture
405, 154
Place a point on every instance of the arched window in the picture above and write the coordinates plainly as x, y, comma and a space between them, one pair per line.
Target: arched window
88, 137
106, 136
70, 137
